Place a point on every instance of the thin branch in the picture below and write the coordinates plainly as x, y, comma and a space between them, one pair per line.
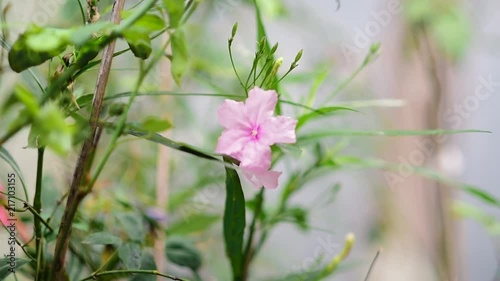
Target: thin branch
82, 12
31, 209
38, 208
76, 193
248, 253
372, 265
115, 272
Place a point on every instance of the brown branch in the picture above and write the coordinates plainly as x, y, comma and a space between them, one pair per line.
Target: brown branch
77, 190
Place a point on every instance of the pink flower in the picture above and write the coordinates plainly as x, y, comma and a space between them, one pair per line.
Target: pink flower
250, 130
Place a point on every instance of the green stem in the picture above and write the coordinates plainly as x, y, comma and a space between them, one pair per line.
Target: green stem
73, 69
234, 68
76, 192
253, 70
38, 208
82, 12
114, 272
247, 254
123, 118
264, 67
369, 58
128, 22
110, 260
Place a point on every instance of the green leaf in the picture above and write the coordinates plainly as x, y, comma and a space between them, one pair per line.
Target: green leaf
182, 251
147, 263
5, 266
172, 144
148, 23
388, 133
165, 93
194, 223
290, 149
273, 8
27, 98
360, 163
481, 194
464, 210
322, 112
91, 49
117, 109
37, 45
299, 217
102, 238
452, 31
52, 130
82, 35
133, 225
357, 104
7, 157
175, 10
154, 125
137, 36
314, 89
179, 55
139, 43
84, 100
130, 254
234, 221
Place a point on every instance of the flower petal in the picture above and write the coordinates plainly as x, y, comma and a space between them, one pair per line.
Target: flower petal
279, 129
260, 105
256, 156
231, 115
232, 142
259, 178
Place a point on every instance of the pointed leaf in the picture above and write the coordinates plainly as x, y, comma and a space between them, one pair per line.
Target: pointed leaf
102, 238
183, 252
179, 55
139, 43
234, 221
175, 10
6, 266
130, 254
37, 45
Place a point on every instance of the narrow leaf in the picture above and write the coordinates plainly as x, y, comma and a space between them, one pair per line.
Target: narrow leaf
102, 238
183, 252
5, 155
175, 10
322, 112
7, 266
234, 221
194, 223
389, 133
179, 55
360, 163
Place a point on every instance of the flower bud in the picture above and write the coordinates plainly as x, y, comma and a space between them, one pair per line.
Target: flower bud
349, 242
374, 48
274, 48
235, 28
276, 66
262, 45
298, 56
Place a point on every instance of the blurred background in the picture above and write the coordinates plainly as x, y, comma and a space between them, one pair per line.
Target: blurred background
438, 67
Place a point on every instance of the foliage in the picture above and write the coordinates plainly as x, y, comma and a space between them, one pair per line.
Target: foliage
103, 229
